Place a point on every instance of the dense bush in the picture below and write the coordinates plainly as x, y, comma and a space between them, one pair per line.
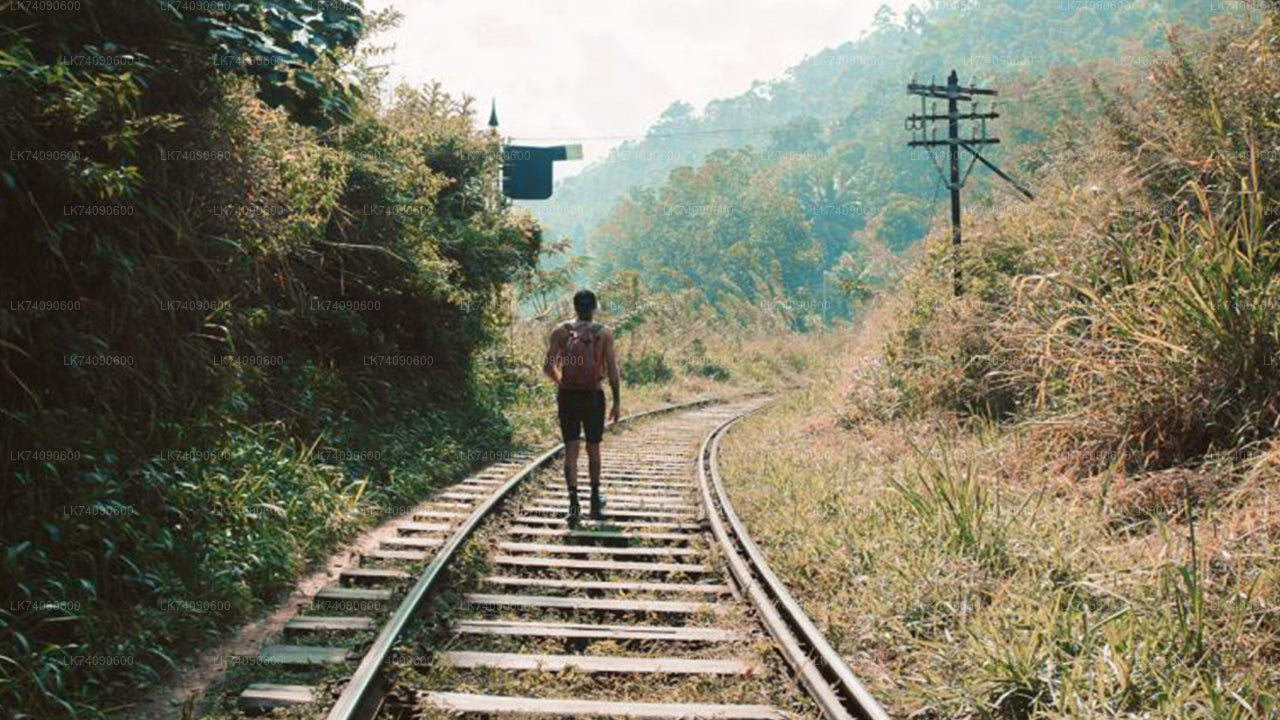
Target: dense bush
1133, 310
268, 289
697, 364
707, 369
650, 368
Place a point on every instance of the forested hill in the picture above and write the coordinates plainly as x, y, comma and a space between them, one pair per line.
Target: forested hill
840, 111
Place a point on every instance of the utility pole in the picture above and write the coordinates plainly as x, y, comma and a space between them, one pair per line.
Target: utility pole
953, 136
925, 136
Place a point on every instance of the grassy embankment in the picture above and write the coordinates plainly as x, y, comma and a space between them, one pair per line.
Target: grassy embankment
1056, 497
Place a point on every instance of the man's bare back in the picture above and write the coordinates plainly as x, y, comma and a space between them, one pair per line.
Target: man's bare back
580, 355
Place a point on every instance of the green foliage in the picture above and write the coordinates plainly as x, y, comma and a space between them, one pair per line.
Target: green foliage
278, 44
650, 368
697, 364
707, 369
282, 325
957, 506
830, 156
903, 222
723, 228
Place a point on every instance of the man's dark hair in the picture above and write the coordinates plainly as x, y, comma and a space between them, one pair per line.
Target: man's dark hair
584, 301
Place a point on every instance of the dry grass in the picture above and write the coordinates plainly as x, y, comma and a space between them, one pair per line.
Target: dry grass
960, 582
1131, 314
1055, 497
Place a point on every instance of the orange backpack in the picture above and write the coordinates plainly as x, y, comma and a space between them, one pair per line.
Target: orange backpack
578, 361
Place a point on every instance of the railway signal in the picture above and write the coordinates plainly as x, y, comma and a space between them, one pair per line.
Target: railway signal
926, 136
526, 169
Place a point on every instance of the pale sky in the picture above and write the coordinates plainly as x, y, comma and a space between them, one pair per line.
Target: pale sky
575, 70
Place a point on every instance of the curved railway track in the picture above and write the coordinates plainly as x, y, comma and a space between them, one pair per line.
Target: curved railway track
664, 609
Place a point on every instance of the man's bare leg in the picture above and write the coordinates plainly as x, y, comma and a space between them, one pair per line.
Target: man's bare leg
593, 468
571, 477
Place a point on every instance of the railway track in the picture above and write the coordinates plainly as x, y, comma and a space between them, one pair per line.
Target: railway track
663, 609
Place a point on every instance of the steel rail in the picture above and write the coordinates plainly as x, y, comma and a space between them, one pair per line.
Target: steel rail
833, 686
361, 697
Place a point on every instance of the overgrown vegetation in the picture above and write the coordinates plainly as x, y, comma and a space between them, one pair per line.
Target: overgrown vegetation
234, 333
1054, 497
962, 579
1133, 308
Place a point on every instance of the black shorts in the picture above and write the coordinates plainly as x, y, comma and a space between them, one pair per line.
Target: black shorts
581, 409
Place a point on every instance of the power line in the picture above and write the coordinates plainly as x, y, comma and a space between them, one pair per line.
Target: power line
646, 136
1062, 96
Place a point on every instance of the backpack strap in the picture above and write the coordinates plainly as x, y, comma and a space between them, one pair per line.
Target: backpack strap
593, 328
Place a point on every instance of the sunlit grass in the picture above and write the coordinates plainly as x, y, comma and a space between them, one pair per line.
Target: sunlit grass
1055, 496
957, 588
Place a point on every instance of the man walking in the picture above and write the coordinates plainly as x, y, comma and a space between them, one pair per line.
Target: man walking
579, 354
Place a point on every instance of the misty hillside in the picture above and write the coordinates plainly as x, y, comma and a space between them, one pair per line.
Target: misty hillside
847, 103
